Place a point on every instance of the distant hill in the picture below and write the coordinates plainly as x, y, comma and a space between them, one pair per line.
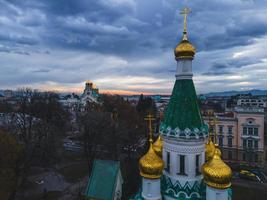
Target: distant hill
232, 93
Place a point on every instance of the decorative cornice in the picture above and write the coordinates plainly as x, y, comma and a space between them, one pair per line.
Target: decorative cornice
174, 189
186, 134
184, 149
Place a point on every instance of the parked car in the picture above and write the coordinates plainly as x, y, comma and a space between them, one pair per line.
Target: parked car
245, 174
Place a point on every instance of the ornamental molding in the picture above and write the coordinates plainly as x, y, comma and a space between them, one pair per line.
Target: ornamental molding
186, 134
183, 149
188, 190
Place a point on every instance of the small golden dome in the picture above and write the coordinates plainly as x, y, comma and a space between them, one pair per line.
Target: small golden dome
216, 173
184, 50
209, 150
157, 146
151, 165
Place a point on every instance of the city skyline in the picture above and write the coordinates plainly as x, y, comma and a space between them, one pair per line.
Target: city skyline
126, 46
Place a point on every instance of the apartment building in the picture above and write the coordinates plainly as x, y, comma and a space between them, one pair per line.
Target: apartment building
240, 134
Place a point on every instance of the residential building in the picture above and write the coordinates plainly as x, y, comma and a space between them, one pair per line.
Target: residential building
240, 134
251, 102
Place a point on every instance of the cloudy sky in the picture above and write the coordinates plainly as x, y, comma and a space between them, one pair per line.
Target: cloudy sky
127, 45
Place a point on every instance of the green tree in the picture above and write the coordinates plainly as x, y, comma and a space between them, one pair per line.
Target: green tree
10, 154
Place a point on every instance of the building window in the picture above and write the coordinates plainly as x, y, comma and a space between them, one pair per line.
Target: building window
197, 165
230, 143
249, 144
256, 144
230, 130
221, 141
244, 143
245, 131
256, 131
167, 168
250, 131
182, 165
230, 155
221, 129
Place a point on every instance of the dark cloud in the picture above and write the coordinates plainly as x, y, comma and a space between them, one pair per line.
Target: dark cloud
138, 35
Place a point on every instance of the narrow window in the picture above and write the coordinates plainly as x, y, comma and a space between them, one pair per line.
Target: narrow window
230, 129
256, 144
244, 143
221, 129
197, 165
249, 144
256, 131
245, 130
230, 142
182, 165
168, 162
220, 141
250, 131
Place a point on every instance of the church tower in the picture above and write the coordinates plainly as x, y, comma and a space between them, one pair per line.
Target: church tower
193, 168
183, 131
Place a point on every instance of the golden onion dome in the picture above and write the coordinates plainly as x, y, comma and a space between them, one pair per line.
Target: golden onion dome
209, 150
151, 165
184, 50
216, 173
157, 146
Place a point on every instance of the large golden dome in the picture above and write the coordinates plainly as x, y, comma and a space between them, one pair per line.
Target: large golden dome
151, 165
216, 173
209, 150
157, 146
184, 50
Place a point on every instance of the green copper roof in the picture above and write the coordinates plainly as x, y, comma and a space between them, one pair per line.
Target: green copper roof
183, 111
102, 182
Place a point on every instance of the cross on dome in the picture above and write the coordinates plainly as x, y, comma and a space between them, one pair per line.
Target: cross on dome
185, 12
150, 118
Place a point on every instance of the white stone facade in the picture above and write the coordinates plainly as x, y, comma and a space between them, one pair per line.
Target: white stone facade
192, 152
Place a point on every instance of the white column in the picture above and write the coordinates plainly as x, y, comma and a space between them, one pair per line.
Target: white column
215, 194
192, 165
173, 164
151, 189
177, 163
202, 159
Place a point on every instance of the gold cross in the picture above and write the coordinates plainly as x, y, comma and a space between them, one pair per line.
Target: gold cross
185, 12
150, 118
215, 121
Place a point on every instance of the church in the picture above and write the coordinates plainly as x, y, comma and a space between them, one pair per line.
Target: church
183, 163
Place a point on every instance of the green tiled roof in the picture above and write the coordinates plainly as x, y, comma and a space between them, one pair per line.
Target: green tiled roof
102, 182
183, 110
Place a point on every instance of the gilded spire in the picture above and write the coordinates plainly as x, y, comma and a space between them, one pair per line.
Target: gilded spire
151, 165
184, 50
185, 12
150, 118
